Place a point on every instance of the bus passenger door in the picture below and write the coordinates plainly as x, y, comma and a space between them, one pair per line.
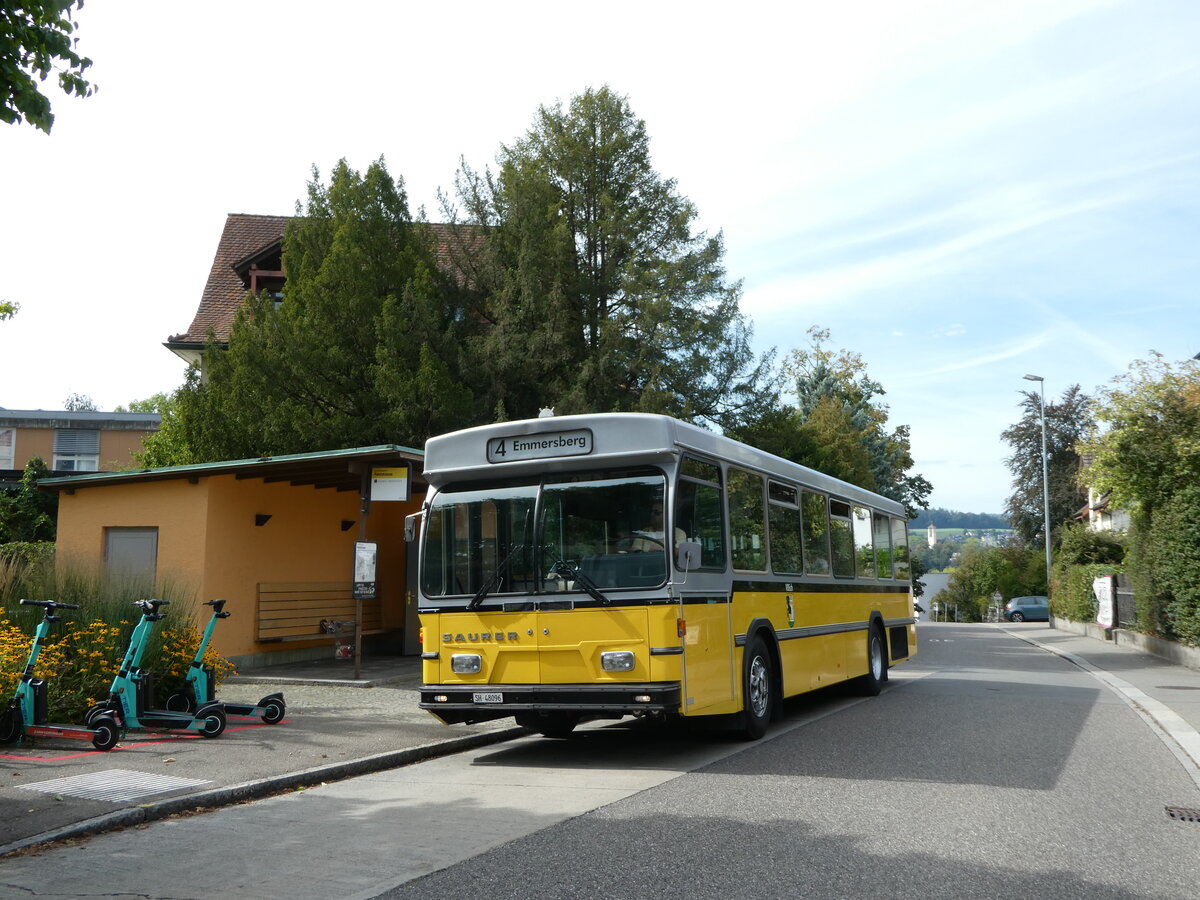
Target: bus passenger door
708, 679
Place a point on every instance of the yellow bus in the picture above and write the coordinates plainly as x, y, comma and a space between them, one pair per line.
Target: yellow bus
624, 564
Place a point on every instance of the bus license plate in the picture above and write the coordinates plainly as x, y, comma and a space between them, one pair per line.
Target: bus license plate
488, 697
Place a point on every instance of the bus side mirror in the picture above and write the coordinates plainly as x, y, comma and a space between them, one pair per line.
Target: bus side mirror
687, 555
410, 527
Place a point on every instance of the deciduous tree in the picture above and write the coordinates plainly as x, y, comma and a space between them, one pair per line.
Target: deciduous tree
36, 40
1148, 456
830, 418
27, 514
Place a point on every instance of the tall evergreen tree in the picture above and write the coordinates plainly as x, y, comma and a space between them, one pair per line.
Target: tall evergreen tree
1068, 422
362, 349
591, 289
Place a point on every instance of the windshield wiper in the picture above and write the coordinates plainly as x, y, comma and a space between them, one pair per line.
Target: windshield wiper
488, 586
564, 569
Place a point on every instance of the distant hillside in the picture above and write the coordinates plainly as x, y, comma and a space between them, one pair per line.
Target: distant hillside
949, 518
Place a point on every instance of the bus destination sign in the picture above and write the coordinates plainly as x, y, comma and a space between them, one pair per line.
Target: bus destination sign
539, 446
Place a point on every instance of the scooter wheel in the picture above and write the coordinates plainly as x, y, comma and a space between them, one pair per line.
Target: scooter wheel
99, 711
214, 724
180, 702
106, 733
10, 725
273, 711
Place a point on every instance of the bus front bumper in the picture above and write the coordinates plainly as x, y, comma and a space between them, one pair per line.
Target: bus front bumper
459, 703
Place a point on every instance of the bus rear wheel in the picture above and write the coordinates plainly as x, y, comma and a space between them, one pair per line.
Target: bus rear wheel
758, 694
877, 665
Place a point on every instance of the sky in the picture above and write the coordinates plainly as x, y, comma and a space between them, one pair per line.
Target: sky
961, 193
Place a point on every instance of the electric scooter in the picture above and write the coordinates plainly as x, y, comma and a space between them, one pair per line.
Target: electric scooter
29, 708
201, 683
132, 690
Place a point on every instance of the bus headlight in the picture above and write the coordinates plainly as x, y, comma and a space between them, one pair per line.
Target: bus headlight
617, 661
466, 663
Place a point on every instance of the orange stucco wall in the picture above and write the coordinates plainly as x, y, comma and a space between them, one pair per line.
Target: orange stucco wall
116, 447
178, 509
210, 547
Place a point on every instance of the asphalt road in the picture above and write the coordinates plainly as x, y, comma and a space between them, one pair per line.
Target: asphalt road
989, 767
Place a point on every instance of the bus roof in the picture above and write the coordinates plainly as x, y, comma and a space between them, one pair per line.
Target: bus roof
598, 440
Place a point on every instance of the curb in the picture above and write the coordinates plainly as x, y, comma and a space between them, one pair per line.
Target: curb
250, 790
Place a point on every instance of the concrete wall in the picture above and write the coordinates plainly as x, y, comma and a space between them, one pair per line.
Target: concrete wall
1180, 654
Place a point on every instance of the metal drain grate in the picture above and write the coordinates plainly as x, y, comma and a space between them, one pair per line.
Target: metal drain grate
1184, 815
115, 785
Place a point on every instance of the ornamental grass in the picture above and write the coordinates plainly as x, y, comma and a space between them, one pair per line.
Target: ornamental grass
85, 646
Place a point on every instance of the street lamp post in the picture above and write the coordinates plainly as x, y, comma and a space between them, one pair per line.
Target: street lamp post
1045, 474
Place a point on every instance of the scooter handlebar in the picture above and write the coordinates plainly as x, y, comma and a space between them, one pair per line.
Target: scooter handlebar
49, 604
150, 606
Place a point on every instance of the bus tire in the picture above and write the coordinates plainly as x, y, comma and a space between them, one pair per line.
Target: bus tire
877, 664
758, 692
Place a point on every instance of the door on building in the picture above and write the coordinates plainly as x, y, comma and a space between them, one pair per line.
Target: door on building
131, 554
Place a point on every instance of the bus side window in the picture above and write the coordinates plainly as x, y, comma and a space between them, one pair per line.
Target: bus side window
841, 539
747, 530
883, 547
783, 529
900, 548
864, 544
699, 510
816, 533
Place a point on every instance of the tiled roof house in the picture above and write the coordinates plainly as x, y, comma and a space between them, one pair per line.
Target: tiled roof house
249, 259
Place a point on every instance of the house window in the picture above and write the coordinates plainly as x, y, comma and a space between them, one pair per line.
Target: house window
76, 450
8, 440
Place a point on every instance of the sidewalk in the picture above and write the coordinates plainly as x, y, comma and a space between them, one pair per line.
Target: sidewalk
336, 727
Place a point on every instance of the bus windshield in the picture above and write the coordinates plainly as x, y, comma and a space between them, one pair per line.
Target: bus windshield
590, 533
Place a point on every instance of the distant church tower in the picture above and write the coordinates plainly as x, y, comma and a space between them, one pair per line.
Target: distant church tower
931, 534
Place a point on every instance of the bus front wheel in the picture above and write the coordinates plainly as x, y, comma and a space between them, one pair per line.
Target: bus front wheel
757, 691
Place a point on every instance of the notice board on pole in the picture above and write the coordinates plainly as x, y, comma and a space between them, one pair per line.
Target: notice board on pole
365, 555
389, 483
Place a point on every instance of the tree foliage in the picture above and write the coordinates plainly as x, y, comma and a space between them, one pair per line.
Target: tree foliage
77, 402
829, 417
155, 403
362, 350
1068, 423
593, 288
8, 309
1151, 443
1013, 570
27, 514
950, 518
1148, 457
37, 39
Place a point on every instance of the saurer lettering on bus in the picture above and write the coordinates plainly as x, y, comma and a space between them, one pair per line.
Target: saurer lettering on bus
479, 637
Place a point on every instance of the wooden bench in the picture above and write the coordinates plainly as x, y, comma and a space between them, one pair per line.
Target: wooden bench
295, 611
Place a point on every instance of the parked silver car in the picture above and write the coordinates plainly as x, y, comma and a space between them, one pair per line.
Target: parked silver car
1031, 609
